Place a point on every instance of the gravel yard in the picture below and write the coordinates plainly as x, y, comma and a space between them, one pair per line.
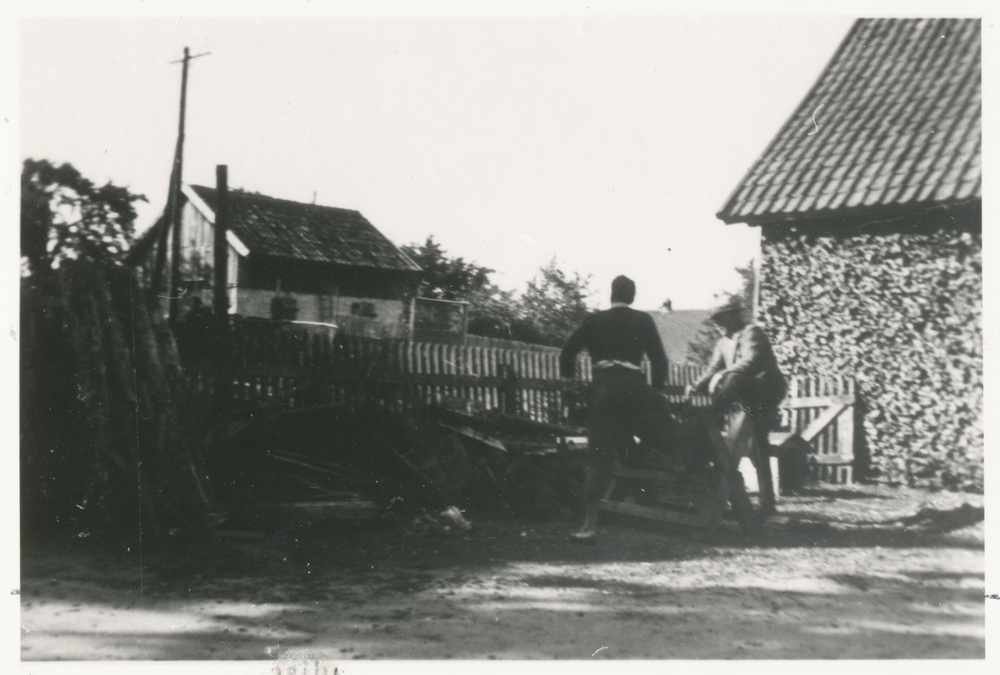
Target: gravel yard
861, 572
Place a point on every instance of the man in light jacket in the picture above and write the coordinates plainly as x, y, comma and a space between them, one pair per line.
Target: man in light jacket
744, 370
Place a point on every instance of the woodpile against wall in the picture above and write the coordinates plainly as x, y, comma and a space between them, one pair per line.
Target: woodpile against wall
901, 311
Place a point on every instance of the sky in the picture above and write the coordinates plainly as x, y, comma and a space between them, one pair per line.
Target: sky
604, 135
604, 142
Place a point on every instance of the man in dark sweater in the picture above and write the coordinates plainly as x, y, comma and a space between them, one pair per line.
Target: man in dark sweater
621, 404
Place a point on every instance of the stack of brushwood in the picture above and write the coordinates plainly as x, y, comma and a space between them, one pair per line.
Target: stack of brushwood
106, 444
899, 309
332, 462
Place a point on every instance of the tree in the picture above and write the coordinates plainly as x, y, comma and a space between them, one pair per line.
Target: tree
495, 313
446, 278
555, 303
546, 313
65, 216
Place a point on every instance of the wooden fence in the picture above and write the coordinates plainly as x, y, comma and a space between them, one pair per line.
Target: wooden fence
293, 367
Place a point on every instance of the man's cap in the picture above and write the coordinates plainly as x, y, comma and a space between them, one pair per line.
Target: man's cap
733, 305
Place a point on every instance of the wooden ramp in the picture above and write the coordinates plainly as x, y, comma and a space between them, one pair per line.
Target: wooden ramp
695, 501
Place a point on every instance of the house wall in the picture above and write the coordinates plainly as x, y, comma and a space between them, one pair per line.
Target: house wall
898, 304
312, 307
268, 273
197, 261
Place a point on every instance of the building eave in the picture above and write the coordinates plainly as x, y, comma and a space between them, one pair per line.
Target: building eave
206, 211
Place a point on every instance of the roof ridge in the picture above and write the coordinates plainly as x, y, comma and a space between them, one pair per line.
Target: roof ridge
272, 227
258, 195
893, 118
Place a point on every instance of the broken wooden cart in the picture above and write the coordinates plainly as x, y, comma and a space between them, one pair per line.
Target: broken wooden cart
695, 496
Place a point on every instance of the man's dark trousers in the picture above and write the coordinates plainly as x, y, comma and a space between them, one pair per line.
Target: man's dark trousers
621, 407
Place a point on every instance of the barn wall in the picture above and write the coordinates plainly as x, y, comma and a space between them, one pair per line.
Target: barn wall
899, 305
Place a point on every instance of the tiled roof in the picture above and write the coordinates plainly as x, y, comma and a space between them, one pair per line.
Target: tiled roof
285, 229
898, 124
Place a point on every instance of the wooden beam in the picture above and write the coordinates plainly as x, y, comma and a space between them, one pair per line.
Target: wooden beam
668, 478
832, 459
822, 422
220, 299
816, 401
666, 515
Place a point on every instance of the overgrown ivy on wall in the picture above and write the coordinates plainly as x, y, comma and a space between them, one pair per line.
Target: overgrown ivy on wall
902, 312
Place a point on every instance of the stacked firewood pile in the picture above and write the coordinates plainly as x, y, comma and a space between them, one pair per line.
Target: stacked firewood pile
902, 313
329, 461
107, 444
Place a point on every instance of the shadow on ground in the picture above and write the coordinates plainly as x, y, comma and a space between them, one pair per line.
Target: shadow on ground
892, 575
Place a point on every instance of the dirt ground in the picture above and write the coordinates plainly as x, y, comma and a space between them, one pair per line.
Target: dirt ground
842, 572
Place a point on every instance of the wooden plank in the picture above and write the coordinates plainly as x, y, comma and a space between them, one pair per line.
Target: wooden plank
845, 433
665, 515
817, 401
669, 477
821, 422
832, 459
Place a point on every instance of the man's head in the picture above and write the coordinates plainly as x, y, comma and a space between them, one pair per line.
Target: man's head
731, 316
623, 290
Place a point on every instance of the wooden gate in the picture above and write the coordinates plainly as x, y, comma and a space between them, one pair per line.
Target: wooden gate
820, 412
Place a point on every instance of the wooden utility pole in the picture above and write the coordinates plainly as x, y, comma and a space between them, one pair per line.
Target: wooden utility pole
174, 205
220, 294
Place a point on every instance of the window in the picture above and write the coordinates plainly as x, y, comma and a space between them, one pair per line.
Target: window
366, 309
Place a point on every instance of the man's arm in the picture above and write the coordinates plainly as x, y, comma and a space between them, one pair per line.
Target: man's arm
717, 364
658, 364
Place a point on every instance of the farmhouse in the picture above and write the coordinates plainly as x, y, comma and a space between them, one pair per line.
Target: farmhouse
869, 201
316, 263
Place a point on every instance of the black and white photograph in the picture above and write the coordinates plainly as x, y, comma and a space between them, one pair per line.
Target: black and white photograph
371, 337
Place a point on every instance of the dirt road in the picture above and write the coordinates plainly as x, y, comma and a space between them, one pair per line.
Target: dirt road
852, 572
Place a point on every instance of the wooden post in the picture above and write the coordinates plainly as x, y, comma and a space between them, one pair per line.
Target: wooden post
220, 297
509, 379
755, 293
161, 250
175, 199
413, 314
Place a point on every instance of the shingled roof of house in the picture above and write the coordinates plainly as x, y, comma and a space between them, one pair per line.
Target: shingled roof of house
323, 234
678, 329
895, 121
